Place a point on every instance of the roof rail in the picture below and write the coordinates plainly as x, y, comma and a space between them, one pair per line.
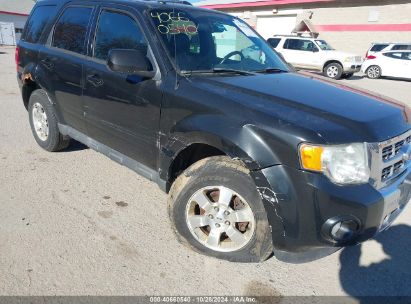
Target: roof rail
172, 2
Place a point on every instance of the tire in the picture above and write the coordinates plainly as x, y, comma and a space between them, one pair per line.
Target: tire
373, 72
333, 70
235, 241
44, 124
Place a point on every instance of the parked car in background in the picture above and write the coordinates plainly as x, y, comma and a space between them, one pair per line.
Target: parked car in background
316, 54
387, 46
390, 64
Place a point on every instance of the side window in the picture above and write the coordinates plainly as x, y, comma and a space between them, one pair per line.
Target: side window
378, 47
274, 42
394, 55
116, 30
401, 47
70, 30
300, 45
37, 22
406, 55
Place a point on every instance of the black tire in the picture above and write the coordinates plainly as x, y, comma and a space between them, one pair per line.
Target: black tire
333, 70
220, 171
373, 72
55, 140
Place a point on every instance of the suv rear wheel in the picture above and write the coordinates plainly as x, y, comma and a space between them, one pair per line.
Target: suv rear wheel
216, 210
333, 70
43, 123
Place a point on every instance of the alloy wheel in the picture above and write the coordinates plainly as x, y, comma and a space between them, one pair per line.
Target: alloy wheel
40, 121
220, 219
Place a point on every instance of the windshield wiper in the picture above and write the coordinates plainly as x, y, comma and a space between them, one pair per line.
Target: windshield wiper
218, 70
241, 72
272, 71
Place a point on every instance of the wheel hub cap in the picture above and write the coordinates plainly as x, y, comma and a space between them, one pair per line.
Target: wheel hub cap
332, 71
40, 121
216, 222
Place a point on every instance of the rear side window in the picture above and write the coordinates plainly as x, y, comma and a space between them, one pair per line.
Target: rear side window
378, 47
401, 47
71, 29
37, 22
394, 55
274, 42
117, 31
299, 45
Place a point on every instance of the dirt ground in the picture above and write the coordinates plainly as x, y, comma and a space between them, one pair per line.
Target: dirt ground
77, 223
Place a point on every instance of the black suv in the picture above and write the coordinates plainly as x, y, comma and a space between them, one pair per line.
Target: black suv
256, 157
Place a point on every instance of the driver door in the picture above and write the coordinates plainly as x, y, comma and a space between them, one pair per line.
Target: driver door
122, 111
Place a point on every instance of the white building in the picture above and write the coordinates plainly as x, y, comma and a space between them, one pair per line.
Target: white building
13, 17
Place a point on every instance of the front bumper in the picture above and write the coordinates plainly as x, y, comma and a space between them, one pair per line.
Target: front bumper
300, 205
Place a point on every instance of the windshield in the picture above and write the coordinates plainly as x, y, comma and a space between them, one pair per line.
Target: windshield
205, 41
324, 45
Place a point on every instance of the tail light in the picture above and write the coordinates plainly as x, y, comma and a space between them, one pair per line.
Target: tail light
371, 57
17, 57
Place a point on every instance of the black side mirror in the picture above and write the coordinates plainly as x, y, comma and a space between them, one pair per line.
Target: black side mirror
131, 62
315, 50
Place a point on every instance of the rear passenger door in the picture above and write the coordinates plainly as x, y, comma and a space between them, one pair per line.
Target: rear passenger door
122, 111
61, 62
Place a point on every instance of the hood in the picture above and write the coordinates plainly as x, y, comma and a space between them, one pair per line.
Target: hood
332, 112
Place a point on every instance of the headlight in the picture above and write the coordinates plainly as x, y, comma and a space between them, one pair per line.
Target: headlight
349, 59
343, 164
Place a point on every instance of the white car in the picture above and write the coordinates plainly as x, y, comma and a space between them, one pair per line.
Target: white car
388, 46
316, 54
390, 64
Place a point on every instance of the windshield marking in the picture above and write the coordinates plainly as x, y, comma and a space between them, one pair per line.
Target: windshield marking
174, 23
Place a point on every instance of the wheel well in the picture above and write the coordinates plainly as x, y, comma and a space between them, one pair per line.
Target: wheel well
189, 156
331, 61
29, 87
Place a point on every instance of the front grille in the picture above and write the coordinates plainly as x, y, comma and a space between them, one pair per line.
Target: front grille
393, 170
398, 146
391, 153
386, 172
386, 153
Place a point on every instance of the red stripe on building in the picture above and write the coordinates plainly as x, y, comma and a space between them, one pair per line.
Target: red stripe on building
405, 27
262, 3
11, 13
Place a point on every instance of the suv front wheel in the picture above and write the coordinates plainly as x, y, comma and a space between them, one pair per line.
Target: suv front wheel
216, 210
333, 70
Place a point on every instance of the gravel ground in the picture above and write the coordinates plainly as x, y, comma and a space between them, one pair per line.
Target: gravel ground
77, 223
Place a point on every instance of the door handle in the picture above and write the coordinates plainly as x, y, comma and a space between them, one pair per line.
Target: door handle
95, 80
48, 63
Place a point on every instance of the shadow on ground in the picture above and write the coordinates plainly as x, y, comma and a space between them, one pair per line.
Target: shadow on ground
389, 277
75, 146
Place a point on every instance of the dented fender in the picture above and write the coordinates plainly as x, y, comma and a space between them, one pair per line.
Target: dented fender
239, 141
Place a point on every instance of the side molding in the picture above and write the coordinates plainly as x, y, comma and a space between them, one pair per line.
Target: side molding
118, 157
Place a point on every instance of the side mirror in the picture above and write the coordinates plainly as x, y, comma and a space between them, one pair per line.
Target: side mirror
131, 62
315, 50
